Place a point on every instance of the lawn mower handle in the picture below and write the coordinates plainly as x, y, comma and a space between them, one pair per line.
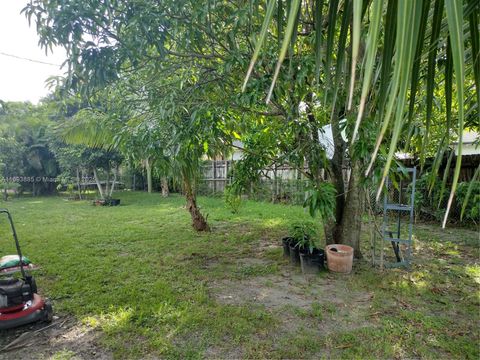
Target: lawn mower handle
17, 244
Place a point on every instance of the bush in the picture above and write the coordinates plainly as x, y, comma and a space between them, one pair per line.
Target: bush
233, 200
430, 200
471, 209
10, 186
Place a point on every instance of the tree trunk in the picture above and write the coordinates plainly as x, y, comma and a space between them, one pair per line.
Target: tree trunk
148, 167
199, 223
114, 181
78, 185
349, 204
107, 185
349, 229
164, 185
335, 174
99, 186
84, 180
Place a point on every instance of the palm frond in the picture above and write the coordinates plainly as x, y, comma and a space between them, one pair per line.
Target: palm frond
371, 53
455, 18
260, 40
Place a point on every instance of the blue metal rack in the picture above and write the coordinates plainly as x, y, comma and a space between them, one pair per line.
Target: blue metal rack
401, 243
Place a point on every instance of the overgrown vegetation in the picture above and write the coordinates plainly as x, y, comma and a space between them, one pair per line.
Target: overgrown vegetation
430, 200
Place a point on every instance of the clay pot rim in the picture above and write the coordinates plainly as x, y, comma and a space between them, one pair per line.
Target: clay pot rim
345, 250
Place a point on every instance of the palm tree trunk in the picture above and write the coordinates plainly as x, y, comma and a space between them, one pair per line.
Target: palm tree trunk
114, 181
148, 167
107, 185
164, 185
78, 185
99, 186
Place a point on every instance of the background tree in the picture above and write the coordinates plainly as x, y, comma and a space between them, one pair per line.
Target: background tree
26, 128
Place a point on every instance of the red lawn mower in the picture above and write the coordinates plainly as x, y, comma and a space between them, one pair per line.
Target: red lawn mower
19, 302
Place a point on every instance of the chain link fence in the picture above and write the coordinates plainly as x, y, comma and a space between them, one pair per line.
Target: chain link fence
280, 184
285, 185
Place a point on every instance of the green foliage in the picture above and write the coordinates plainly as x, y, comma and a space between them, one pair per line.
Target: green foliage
25, 139
432, 198
304, 235
233, 199
9, 185
472, 207
429, 198
167, 85
321, 200
405, 25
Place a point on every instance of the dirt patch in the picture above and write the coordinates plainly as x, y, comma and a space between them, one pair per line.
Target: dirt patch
323, 304
286, 289
295, 293
63, 336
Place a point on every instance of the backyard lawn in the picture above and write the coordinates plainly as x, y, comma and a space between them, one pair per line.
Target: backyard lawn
137, 281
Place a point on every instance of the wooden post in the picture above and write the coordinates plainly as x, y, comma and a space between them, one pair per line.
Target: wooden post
214, 166
226, 173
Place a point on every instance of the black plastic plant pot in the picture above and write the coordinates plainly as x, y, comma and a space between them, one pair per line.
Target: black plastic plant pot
286, 241
313, 262
114, 202
111, 202
294, 255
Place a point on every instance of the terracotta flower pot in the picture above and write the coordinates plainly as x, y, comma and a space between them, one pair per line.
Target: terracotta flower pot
339, 258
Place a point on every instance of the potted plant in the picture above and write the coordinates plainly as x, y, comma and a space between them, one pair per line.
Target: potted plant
302, 235
286, 241
108, 201
112, 202
303, 249
312, 261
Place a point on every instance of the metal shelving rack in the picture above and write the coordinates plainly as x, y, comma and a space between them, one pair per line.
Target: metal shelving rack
402, 246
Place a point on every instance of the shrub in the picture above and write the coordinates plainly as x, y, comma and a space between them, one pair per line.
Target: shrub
471, 209
233, 200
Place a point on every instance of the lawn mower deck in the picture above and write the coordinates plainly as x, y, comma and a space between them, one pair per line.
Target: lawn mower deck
33, 310
20, 303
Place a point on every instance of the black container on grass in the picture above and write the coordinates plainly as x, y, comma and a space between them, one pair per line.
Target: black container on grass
294, 254
312, 262
286, 241
113, 202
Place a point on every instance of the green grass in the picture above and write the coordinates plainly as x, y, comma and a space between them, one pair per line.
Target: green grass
141, 275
